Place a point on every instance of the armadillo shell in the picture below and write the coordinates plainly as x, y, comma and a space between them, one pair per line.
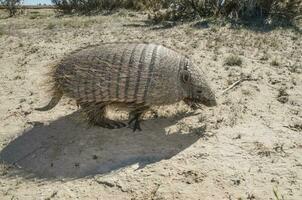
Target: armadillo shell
122, 72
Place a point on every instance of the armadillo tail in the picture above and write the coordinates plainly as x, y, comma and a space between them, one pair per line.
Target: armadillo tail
53, 102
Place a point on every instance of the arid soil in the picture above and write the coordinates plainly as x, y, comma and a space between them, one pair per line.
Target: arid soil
248, 147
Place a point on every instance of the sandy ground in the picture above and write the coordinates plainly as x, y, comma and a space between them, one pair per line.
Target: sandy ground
248, 147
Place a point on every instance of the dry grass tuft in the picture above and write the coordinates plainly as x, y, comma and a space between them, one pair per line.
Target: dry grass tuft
50, 26
2, 31
233, 60
275, 63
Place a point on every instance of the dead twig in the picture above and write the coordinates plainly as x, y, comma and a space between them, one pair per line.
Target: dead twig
237, 83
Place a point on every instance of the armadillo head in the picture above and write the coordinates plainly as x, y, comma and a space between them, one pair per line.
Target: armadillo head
195, 87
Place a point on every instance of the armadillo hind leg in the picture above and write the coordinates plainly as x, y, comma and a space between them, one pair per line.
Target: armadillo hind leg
96, 116
135, 117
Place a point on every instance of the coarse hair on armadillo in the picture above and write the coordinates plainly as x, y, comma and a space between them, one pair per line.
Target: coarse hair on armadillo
54, 89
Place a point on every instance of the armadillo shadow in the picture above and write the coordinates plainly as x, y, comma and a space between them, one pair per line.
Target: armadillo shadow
69, 149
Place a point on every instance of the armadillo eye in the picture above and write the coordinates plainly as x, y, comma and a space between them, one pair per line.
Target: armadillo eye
199, 91
185, 76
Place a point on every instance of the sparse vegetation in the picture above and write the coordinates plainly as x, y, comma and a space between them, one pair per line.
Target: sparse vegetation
264, 57
185, 10
36, 15
262, 150
94, 6
282, 96
275, 62
277, 196
233, 60
295, 68
11, 6
1, 31
50, 26
235, 9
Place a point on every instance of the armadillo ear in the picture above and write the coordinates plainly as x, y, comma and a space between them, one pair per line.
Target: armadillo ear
185, 76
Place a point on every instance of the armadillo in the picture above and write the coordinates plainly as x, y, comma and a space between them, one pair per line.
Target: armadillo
134, 75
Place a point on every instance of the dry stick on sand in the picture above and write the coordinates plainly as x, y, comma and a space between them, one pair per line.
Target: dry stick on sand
237, 83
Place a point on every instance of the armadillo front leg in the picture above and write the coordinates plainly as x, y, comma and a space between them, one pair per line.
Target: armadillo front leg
135, 117
96, 116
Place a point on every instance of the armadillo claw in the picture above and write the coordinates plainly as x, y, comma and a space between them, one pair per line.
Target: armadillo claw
134, 123
137, 126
